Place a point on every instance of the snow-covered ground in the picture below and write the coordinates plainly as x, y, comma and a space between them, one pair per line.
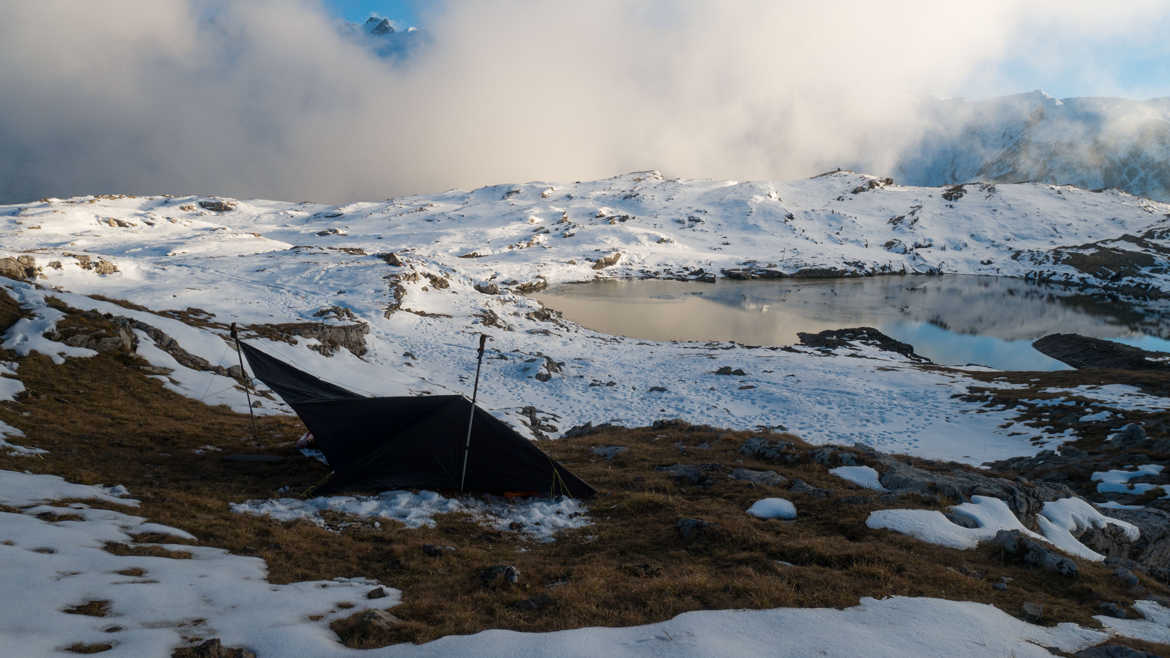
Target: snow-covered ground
538, 518
153, 604
461, 262
277, 262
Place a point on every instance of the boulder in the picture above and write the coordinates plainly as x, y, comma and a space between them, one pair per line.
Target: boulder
1035, 553
23, 268
778, 451
1085, 352
759, 478
499, 575
692, 474
692, 528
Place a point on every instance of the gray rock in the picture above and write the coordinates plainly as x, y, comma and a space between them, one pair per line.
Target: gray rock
801, 487
487, 288
1112, 609
692, 528
217, 205
1032, 612
692, 474
766, 478
1130, 434
1032, 552
1000, 586
499, 575
609, 452
376, 593
778, 451
1025, 499
1126, 577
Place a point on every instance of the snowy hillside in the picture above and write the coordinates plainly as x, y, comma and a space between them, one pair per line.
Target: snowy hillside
409, 281
1088, 142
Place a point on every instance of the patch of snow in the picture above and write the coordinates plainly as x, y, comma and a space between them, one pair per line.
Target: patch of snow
773, 508
23, 489
539, 518
55, 565
1153, 627
1057, 521
10, 387
1113, 504
894, 627
988, 514
862, 476
1119, 396
27, 335
205, 386
12, 448
1104, 414
1117, 481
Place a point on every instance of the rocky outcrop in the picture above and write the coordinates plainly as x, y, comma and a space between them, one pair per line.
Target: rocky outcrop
837, 338
329, 337
1085, 352
1035, 553
22, 268
217, 205
1025, 499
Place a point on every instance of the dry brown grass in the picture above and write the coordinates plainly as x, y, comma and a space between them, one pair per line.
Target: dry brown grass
104, 421
89, 609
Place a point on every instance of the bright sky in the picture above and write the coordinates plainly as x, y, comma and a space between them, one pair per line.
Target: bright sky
1130, 66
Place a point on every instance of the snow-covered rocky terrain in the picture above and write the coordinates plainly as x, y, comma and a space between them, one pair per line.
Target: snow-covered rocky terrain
1089, 142
405, 283
387, 298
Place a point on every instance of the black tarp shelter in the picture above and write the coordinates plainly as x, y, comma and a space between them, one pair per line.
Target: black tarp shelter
378, 443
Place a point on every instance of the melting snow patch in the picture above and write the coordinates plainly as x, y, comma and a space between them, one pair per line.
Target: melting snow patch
862, 476
23, 489
27, 335
1057, 521
1118, 396
12, 448
1117, 481
990, 515
541, 518
1155, 627
773, 508
1099, 416
49, 566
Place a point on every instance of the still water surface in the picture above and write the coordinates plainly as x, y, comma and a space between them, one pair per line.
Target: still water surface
952, 319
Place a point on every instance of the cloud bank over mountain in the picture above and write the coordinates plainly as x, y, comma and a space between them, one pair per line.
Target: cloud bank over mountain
271, 99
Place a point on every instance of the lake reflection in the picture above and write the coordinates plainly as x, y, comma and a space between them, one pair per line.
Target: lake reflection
950, 319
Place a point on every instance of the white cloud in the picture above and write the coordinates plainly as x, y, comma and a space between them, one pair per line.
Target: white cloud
267, 99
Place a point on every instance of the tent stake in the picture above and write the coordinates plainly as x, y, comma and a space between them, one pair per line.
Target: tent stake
471, 416
247, 383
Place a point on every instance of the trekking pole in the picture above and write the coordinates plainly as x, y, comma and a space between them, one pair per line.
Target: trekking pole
471, 416
247, 382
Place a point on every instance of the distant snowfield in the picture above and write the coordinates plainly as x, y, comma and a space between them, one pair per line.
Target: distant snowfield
275, 262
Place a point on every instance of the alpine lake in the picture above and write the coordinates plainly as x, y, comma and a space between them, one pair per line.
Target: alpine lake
950, 319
